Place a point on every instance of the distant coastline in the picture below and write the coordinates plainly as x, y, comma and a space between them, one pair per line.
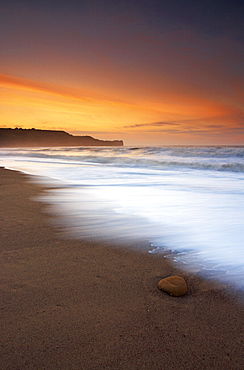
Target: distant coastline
18, 137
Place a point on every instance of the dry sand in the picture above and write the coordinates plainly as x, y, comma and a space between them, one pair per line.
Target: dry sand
68, 304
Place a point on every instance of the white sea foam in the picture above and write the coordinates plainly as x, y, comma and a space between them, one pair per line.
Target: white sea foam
186, 199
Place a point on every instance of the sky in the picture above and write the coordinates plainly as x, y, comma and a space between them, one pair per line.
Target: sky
147, 72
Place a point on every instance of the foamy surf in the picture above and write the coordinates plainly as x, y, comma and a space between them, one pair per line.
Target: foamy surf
188, 200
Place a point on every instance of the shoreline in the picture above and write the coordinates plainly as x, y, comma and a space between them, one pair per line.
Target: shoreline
75, 304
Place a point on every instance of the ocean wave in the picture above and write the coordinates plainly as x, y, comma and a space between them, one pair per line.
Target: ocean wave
163, 158
185, 199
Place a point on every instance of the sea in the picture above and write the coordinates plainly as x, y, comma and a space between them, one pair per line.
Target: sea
186, 202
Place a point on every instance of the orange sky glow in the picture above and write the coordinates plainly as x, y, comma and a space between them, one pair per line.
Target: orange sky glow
172, 86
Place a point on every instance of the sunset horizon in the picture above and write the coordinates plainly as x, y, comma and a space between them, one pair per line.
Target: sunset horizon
148, 74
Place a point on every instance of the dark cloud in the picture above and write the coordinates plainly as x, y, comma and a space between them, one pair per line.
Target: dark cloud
237, 129
153, 124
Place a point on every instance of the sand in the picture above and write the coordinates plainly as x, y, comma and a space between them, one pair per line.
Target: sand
73, 304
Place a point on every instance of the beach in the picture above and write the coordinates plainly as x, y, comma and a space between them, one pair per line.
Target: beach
80, 304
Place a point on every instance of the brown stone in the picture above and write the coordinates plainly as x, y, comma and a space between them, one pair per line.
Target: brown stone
173, 285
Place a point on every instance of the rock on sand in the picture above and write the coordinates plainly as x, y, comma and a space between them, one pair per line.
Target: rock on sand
174, 285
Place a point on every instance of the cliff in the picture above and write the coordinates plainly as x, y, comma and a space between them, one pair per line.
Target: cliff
14, 138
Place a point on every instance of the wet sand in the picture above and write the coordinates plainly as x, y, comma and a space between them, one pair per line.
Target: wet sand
73, 304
